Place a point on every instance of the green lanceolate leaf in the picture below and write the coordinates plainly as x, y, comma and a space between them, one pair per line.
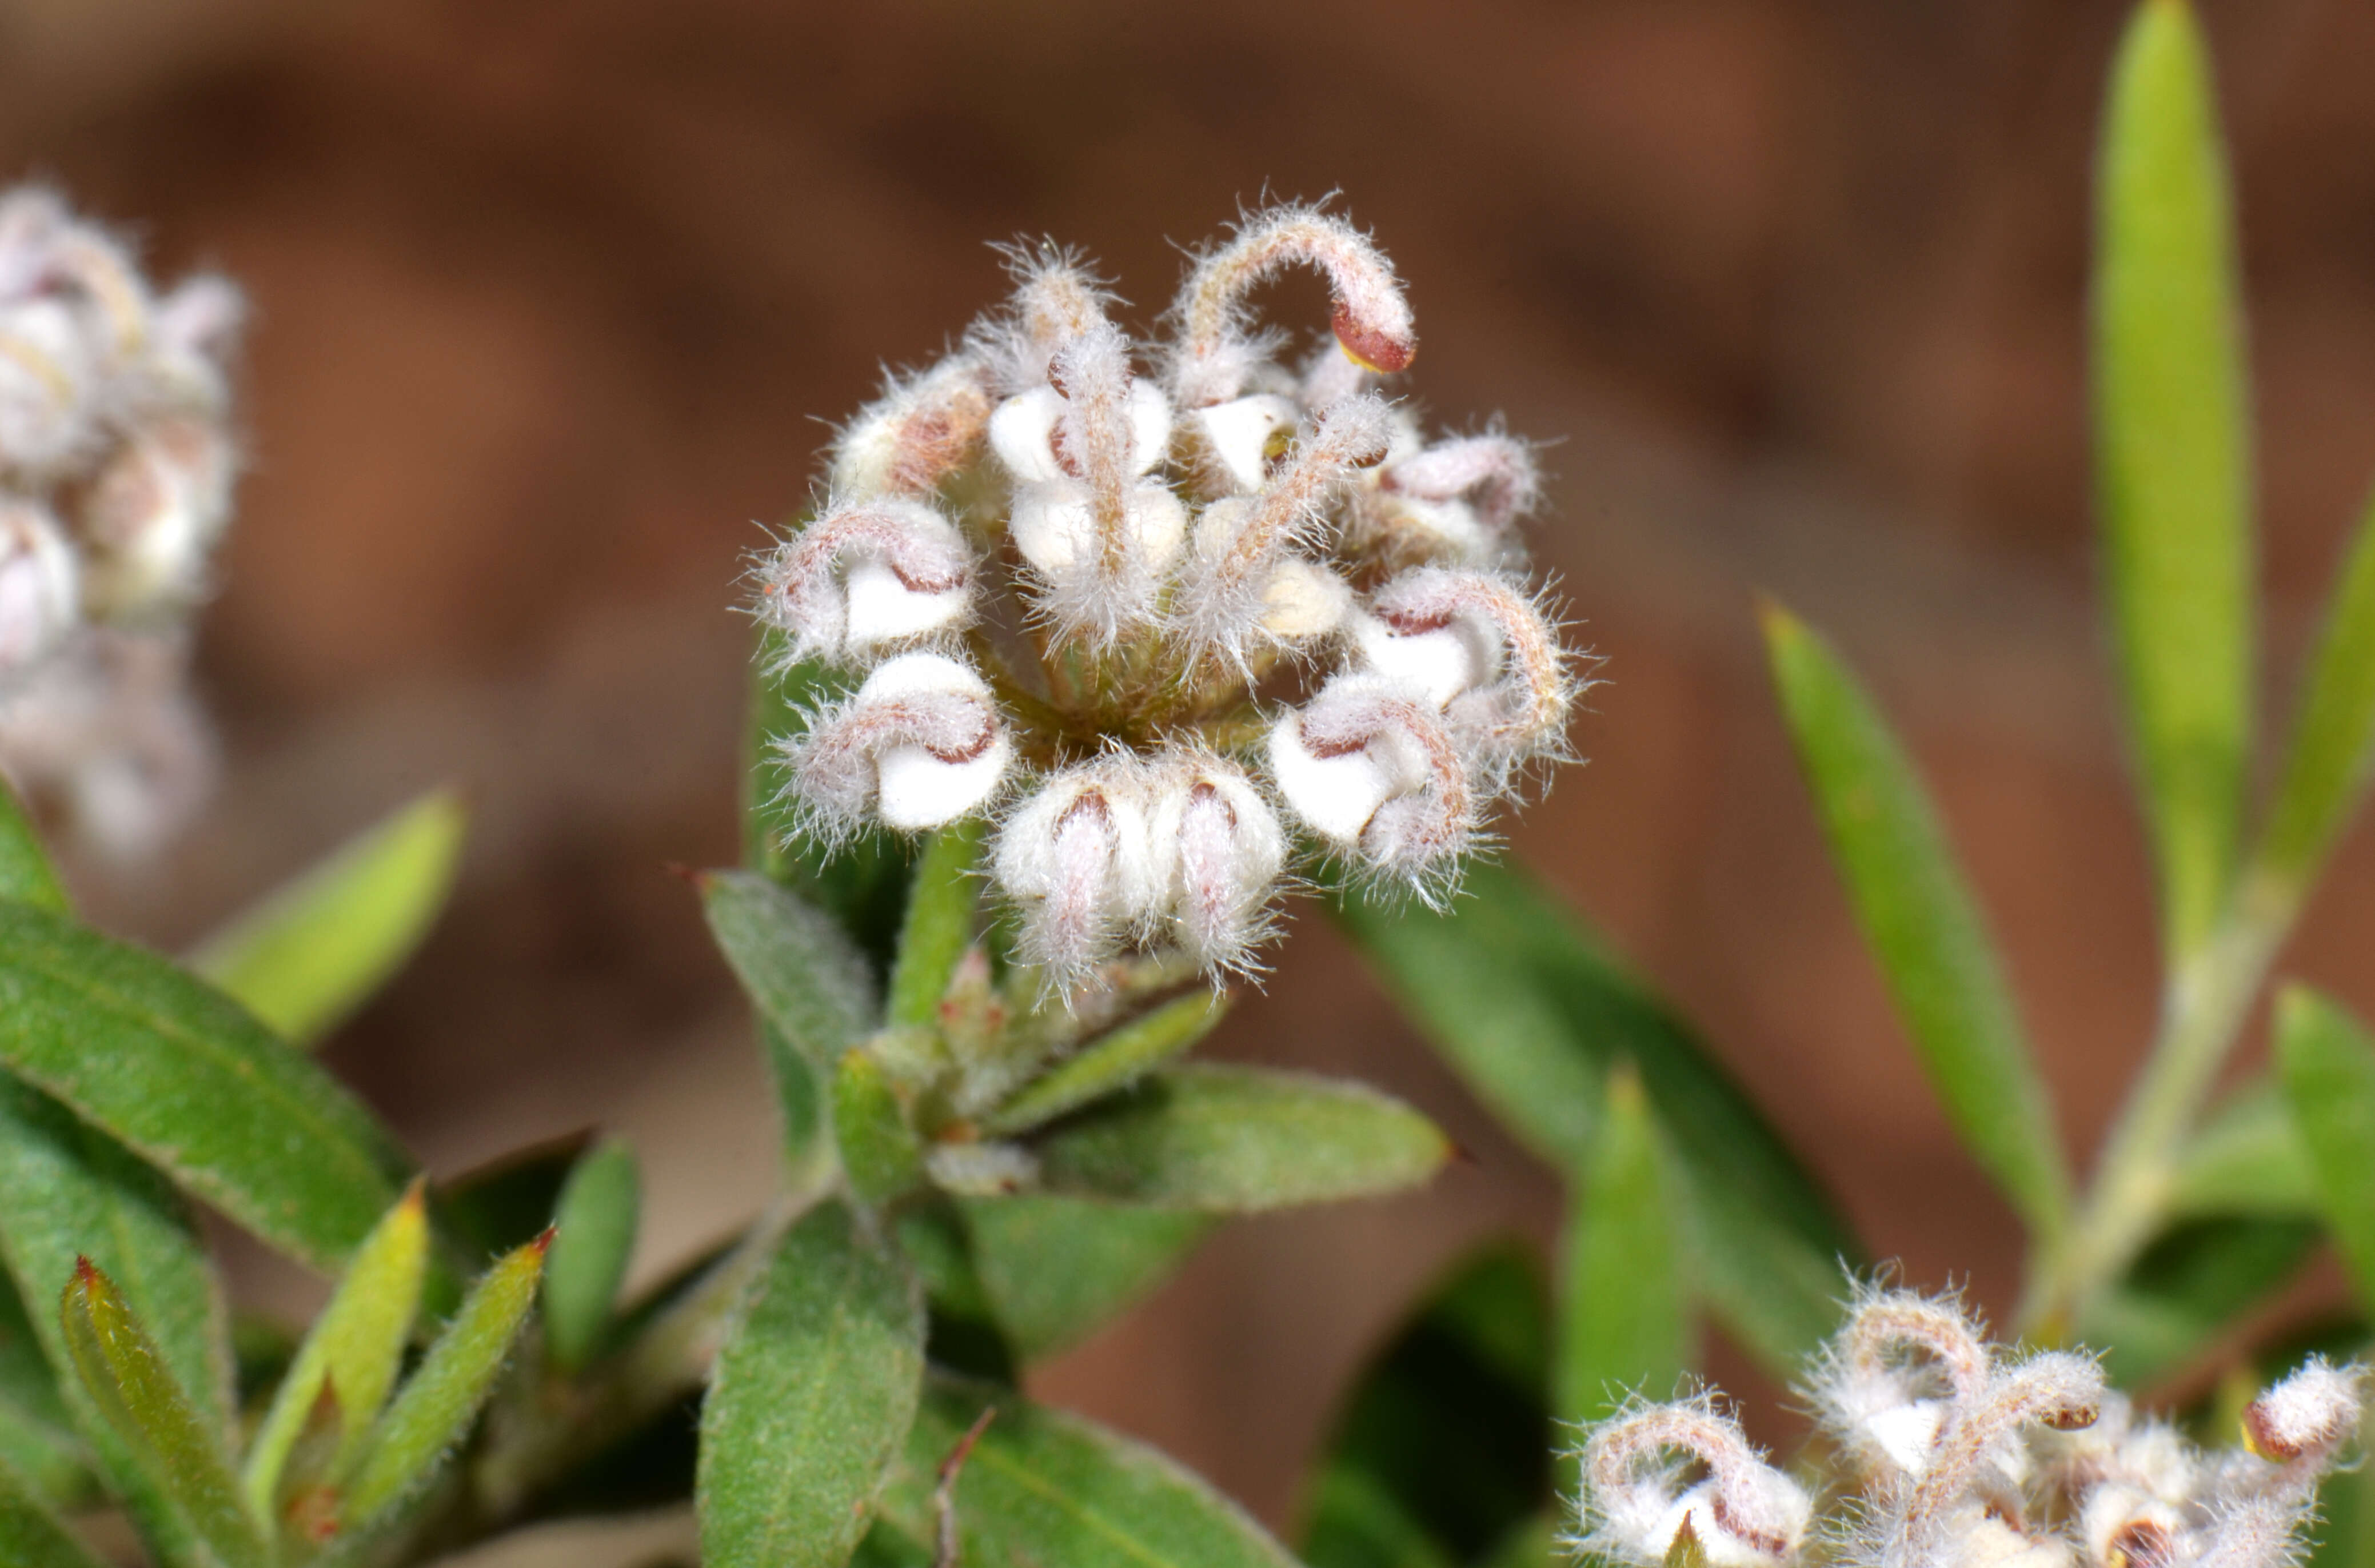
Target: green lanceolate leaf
1056, 1269
1443, 1448
1625, 1313
2328, 1066
354, 1349
594, 1237
941, 901
316, 950
1234, 1139
26, 875
2333, 741
38, 1442
1529, 1010
1921, 922
436, 1406
878, 1151
1045, 1489
179, 1450
810, 1400
193, 1084
1114, 1061
2188, 1292
2246, 1158
30, 1535
2172, 428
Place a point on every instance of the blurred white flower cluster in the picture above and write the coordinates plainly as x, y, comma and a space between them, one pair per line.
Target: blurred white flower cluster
1960, 1455
1175, 613
116, 470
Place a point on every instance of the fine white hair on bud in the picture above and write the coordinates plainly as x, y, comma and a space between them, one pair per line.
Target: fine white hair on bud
1369, 766
1454, 501
1077, 859
151, 515
1930, 1521
1637, 1505
867, 575
1896, 1374
38, 585
918, 432
1480, 649
2308, 1416
1218, 852
920, 743
1216, 353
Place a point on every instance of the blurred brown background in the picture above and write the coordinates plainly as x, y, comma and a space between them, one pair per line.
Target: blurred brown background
552, 294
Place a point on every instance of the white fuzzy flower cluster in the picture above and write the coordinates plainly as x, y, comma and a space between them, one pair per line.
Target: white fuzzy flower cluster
116, 470
1175, 613
1965, 1457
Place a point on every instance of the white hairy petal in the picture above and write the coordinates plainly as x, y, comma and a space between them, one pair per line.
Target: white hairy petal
867, 574
37, 585
1023, 434
1442, 661
920, 741
49, 375
1218, 852
1241, 437
1305, 600
1078, 860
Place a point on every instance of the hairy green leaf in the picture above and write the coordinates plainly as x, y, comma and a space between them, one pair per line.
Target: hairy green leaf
1113, 1061
316, 950
354, 1347
1624, 1310
26, 874
2173, 462
193, 1085
2246, 1158
594, 1238
2328, 1065
1056, 1269
1236, 1140
878, 1151
1532, 1014
1922, 924
176, 1447
810, 1399
1045, 1489
30, 1535
937, 927
434, 1410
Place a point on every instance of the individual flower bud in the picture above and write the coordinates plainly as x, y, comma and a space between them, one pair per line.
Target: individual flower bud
1927, 1523
920, 743
1234, 443
1057, 300
1456, 502
1077, 861
1304, 602
1744, 1514
151, 515
1895, 1375
2308, 1416
1373, 770
50, 378
1218, 852
1217, 353
866, 575
917, 433
1480, 650
39, 589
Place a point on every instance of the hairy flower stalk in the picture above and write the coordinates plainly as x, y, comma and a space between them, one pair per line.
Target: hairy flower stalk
1959, 1453
116, 470
1178, 616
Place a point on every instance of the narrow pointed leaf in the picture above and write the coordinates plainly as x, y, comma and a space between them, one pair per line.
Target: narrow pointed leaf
1045, 1489
1922, 924
1234, 1139
1625, 1313
135, 1392
2173, 456
193, 1084
594, 1238
2328, 1064
1057, 1270
1530, 1011
314, 951
26, 874
939, 925
1114, 1061
32, 1537
810, 1400
355, 1346
2333, 741
2246, 1158
433, 1411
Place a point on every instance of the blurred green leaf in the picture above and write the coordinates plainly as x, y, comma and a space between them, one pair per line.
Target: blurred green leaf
2333, 741
937, 926
1056, 1269
1236, 1140
1922, 924
181, 1451
2247, 1158
594, 1238
193, 1084
1046, 1489
2189, 1289
318, 948
1113, 1061
1624, 1311
38, 1442
2173, 459
434, 1410
878, 1151
1534, 1544
810, 1399
1443, 1446
355, 1348
2328, 1066
30, 1535
1532, 1014
26, 874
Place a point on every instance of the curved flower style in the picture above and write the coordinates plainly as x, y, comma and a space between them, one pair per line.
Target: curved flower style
1190, 609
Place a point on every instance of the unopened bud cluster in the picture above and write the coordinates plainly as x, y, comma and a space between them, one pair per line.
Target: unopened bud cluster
116, 470
1956, 1453
1177, 614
